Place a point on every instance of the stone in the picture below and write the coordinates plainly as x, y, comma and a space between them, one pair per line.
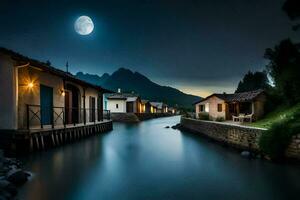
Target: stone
246, 154
177, 126
4, 194
258, 156
18, 177
167, 127
11, 189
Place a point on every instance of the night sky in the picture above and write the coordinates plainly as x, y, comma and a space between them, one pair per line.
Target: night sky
198, 46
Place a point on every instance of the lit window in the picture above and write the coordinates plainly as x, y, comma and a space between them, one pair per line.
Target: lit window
207, 107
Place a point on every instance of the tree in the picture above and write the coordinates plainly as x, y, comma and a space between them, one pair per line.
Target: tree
284, 67
253, 81
292, 9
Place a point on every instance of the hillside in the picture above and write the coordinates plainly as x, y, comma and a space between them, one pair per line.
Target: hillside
276, 116
130, 81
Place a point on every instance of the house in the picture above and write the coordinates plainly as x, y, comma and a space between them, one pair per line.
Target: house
171, 110
145, 106
36, 96
160, 107
226, 106
123, 102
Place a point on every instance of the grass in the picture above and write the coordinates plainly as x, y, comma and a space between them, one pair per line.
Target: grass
276, 116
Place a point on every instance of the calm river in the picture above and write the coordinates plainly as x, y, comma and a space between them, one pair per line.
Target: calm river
148, 161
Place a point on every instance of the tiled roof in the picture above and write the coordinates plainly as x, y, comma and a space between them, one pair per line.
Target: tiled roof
236, 97
158, 105
47, 68
144, 101
125, 96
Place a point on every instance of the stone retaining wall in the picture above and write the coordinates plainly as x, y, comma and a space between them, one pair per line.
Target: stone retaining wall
124, 117
242, 137
136, 117
146, 116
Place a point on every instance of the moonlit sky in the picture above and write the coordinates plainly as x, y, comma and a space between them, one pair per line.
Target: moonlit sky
197, 46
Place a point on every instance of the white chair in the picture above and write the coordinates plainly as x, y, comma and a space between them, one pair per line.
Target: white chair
234, 118
250, 117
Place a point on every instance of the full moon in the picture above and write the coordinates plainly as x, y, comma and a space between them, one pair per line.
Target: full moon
84, 25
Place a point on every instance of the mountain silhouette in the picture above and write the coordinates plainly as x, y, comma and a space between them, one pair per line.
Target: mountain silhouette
129, 81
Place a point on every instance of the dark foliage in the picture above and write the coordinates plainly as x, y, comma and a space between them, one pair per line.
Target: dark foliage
253, 81
275, 140
292, 9
284, 67
203, 116
274, 100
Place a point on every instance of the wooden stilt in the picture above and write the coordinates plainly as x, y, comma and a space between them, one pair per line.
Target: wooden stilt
52, 137
42, 141
31, 143
37, 142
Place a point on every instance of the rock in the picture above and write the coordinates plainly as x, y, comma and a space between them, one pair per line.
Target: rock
177, 126
258, 156
246, 154
5, 194
4, 183
18, 177
167, 127
11, 189
8, 187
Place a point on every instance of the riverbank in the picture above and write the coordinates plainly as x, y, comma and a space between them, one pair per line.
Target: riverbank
237, 136
11, 177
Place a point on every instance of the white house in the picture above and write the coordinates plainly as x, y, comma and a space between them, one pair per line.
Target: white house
123, 103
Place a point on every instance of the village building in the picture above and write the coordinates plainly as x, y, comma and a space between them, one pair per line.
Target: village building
36, 97
160, 107
123, 102
145, 106
238, 106
171, 110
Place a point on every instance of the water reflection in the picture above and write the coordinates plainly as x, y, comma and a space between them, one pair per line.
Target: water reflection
148, 161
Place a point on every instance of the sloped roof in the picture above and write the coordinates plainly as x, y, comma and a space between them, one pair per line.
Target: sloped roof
158, 105
116, 96
20, 59
124, 96
236, 97
144, 101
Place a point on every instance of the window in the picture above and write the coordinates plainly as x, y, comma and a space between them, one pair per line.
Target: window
219, 107
117, 106
207, 107
201, 108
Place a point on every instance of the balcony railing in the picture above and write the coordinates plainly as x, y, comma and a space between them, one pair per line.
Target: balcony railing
61, 116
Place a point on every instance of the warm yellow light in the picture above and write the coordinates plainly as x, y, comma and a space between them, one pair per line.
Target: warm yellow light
63, 93
30, 85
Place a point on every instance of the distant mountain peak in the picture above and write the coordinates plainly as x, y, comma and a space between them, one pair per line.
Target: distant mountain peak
123, 70
128, 80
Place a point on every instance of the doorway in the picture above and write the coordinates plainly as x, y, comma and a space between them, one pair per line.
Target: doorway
46, 100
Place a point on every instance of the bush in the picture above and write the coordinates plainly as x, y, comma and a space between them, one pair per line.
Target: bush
203, 116
275, 140
220, 119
